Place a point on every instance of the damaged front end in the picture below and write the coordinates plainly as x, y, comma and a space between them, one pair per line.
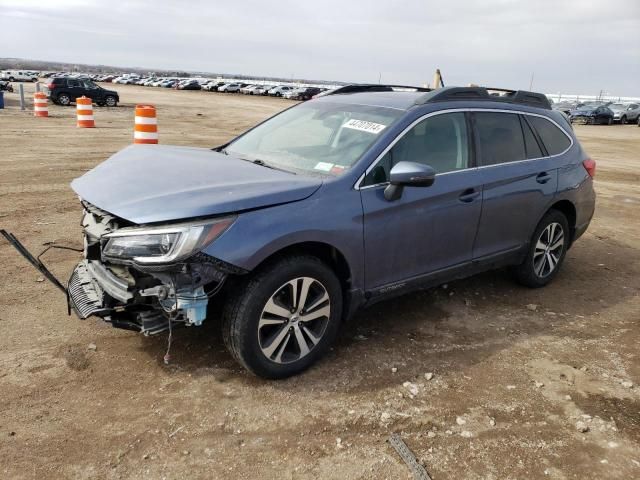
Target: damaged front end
145, 278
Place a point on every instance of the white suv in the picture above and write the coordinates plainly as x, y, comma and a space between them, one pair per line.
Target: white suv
19, 76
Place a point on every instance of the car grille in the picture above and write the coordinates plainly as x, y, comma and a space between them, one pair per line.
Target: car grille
85, 296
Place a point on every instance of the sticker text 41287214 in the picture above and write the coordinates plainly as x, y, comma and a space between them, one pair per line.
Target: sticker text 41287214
364, 126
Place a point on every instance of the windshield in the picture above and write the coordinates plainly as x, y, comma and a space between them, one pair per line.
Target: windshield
316, 137
618, 106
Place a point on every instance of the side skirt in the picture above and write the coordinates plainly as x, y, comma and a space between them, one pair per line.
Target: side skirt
457, 272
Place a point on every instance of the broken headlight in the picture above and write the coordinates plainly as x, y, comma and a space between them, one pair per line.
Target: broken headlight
164, 244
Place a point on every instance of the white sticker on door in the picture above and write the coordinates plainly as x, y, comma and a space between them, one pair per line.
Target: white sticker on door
364, 126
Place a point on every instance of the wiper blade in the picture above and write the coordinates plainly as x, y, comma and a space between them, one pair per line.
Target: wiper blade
262, 163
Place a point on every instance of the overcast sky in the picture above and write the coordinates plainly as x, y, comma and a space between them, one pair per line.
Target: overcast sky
572, 46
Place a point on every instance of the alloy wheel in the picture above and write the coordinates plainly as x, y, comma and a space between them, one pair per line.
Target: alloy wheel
548, 250
294, 320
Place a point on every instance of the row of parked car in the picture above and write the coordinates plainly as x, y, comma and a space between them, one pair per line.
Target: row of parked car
600, 113
285, 91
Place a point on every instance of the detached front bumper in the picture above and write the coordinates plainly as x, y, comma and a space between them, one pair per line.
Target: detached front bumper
87, 286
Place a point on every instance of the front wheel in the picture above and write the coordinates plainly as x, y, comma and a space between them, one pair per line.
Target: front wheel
110, 101
623, 120
284, 317
547, 250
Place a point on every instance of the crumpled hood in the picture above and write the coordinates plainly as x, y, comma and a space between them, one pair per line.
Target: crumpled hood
157, 183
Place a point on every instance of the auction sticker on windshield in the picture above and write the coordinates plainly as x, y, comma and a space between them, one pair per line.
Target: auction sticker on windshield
324, 166
364, 126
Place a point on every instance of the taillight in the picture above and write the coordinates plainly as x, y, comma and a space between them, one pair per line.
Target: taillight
51, 86
590, 166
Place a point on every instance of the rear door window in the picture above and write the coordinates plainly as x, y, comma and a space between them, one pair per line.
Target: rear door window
554, 139
500, 137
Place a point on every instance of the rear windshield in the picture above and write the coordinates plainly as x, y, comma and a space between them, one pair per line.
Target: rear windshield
322, 138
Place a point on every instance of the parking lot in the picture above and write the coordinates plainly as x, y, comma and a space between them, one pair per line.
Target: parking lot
482, 378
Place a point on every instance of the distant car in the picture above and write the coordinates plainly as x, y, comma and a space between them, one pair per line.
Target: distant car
305, 93
262, 89
625, 112
63, 91
19, 76
248, 90
280, 90
190, 85
565, 107
592, 114
230, 87
213, 86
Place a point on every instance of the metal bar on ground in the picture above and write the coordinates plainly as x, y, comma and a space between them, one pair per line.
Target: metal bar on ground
32, 260
418, 471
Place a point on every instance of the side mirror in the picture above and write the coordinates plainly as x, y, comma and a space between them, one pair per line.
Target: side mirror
410, 174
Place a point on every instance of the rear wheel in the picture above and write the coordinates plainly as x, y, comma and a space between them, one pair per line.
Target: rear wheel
283, 318
547, 250
64, 99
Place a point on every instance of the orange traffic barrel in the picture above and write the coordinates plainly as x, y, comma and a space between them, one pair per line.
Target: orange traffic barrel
84, 109
146, 125
40, 108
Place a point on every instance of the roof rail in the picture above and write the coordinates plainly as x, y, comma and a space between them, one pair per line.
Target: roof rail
374, 87
487, 94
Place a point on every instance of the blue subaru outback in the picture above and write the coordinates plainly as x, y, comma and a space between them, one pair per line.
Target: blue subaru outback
328, 206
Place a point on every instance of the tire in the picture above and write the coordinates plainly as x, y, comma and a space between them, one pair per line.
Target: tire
110, 101
610, 121
11, 79
534, 271
34, 80
64, 100
623, 120
267, 339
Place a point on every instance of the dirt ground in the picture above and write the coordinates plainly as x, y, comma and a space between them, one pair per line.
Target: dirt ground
516, 372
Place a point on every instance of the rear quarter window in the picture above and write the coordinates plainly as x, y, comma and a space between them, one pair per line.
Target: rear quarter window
554, 139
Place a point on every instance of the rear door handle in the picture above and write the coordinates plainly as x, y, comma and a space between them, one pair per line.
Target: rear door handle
544, 177
469, 195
